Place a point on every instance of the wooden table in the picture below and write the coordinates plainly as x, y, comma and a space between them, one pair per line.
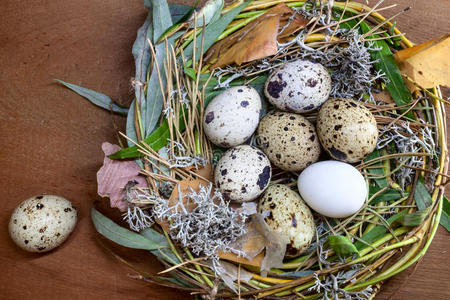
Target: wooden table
50, 143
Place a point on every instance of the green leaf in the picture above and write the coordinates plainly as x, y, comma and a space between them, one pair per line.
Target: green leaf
415, 218
179, 12
156, 141
151, 109
385, 62
421, 195
377, 232
130, 126
141, 54
445, 216
96, 98
299, 273
179, 23
163, 252
386, 196
190, 72
381, 182
210, 11
342, 245
212, 32
120, 235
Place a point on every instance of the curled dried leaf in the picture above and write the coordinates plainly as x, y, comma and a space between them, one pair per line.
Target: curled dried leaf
258, 39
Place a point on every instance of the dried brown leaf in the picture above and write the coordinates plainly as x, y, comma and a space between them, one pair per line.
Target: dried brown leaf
256, 40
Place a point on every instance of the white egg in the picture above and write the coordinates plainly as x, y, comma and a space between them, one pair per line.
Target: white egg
42, 223
243, 173
333, 188
232, 116
298, 86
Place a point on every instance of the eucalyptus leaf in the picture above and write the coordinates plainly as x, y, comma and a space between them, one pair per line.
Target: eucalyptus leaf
178, 23
377, 232
299, 273
445, 215
385, 62
96, 98
179, 12
122, 236
342, 245
381, 182
212, 32
141, 54
421, 195
130, 127
210, 12
386, 196
151, 111
164, 252
415, 218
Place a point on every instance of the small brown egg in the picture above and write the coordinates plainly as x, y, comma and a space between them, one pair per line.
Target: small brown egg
347, 130
289, 140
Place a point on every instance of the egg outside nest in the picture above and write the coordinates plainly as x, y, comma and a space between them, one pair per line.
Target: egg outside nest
42, 223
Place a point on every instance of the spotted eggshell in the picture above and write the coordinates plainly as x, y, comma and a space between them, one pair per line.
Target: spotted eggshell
42, 223
243, 173
289, 140
347, 130
232, 116
286, 212
298, 86
333, 188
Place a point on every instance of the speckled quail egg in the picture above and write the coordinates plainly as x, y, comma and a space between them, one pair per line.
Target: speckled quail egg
232, 116
286, 212
347, 130
289, 140
333, 188
298, 86
243, 173
42, 223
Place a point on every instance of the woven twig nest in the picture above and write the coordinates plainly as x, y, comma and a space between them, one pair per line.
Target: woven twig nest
404, 174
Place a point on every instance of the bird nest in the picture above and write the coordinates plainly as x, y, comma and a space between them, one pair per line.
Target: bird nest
180, 216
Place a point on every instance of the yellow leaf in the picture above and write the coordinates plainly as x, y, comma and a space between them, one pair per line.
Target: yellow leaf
427, 63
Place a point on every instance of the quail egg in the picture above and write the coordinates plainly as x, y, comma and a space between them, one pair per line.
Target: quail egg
286, 212
333, 188
42, 223
347, 130
298, 86
243, 173
232, 116
289, 140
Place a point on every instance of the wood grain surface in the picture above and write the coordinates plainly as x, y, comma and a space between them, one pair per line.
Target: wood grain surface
50, 143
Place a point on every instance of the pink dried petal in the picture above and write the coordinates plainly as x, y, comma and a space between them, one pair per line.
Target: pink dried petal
114, 175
